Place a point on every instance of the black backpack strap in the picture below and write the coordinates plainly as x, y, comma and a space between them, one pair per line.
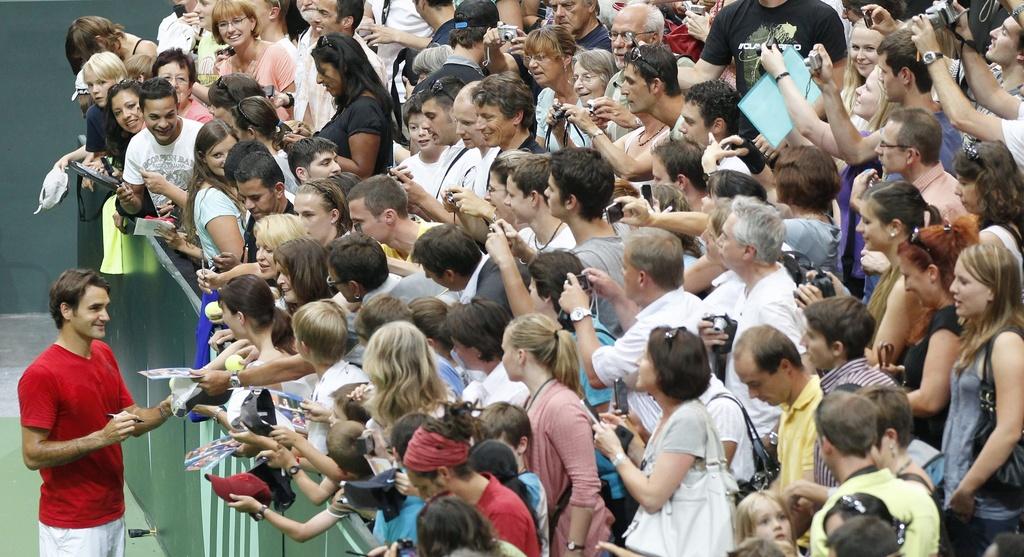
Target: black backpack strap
760, 452
451, 165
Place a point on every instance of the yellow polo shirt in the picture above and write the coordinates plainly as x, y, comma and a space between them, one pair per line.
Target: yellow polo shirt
424, 226
797, 434
907, 501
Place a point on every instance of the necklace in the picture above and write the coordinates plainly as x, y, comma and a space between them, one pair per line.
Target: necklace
640, 139
541, 248
535, 396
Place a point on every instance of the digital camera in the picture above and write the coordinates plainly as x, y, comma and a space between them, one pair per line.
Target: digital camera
507, 33
813, 62
694, 8
941, 15
723, 324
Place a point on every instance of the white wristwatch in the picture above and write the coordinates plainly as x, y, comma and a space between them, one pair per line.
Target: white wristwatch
577, 314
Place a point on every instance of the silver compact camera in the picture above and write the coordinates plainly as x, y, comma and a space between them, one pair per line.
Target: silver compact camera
693, 8
941, 15
813, 62
507, 33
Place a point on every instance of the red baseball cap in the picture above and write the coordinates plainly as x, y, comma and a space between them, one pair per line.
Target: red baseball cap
240, 484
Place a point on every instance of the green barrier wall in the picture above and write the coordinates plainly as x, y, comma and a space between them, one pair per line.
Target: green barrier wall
153, 315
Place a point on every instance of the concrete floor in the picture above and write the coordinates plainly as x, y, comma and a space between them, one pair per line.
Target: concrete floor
22, 338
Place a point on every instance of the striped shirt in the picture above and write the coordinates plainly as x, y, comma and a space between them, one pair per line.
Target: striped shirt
854, 373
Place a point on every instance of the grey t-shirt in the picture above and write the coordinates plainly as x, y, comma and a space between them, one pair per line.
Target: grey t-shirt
818, 240
957, 443
604, 253
685, 432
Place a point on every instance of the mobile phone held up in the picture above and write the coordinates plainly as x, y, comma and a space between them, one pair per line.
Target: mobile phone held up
179, 10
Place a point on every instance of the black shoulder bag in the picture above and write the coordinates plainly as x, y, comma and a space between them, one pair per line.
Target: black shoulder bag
766, 468
1010, 474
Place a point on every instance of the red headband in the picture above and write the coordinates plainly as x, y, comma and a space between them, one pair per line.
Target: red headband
428, 451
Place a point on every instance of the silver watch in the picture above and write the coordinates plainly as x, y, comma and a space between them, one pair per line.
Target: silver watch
577, 314
930, 56
234, 382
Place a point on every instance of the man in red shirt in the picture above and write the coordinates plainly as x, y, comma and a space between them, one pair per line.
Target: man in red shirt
75, 412
438, 464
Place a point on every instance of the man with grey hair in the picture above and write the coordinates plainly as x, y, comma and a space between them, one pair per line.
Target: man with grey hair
751, 246
581, 18
651, 296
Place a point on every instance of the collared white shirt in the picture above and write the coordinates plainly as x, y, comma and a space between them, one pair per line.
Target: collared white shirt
483, 171
496, 387
677, 308
466, 296
769, 302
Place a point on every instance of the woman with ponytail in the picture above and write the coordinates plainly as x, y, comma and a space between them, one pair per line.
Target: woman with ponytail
889, 213
256, 120
249, 311
926, 261
538, 352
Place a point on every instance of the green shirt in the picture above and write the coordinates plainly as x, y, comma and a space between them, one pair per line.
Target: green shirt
906, 501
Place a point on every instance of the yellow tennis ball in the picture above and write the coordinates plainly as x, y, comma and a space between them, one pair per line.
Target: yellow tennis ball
235, 363
213, 311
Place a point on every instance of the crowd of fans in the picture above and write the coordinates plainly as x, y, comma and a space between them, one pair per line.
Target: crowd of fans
545, 290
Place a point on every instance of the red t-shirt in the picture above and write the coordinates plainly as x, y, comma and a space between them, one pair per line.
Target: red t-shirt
510, 517
70, 396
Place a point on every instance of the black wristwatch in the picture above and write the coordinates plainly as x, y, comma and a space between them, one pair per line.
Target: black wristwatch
573, 546
292, 470
291, 100
260, 514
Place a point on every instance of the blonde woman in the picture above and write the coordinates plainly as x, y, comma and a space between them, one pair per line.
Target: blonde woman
403, 373
863, 58
541, 354
986, 293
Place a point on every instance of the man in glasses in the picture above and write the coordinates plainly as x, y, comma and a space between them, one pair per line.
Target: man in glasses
909, 145
650, 296
847, 426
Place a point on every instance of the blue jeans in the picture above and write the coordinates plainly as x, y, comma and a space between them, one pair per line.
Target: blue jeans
972, 538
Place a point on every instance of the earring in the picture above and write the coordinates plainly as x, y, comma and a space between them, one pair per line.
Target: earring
892, 234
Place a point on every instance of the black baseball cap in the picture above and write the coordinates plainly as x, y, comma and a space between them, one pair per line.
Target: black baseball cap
476, 13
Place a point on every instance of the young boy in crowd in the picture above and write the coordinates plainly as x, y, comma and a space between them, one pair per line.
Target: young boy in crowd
509, 424
321, 333
342, 453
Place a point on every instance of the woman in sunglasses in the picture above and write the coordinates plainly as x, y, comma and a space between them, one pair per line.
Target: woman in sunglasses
992, 187
361, 127
235, 25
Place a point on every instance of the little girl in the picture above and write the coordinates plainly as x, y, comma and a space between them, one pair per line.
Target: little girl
762, 515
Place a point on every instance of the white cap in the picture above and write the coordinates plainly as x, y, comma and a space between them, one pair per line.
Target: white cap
80, 87
55, 187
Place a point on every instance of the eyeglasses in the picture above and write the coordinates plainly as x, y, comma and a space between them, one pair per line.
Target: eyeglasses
637, 58
540, 59
437, 89
629, 36
851, 504
884, 145
236, 23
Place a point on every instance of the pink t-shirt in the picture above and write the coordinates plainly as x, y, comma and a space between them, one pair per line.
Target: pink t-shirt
275, 67
196, 111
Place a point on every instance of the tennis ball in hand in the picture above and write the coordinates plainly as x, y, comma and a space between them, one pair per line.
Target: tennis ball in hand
213, 312
235, 363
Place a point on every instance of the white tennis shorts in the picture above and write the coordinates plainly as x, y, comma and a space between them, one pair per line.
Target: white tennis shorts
105, 540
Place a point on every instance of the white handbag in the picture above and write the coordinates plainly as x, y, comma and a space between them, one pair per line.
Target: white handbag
698, 519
